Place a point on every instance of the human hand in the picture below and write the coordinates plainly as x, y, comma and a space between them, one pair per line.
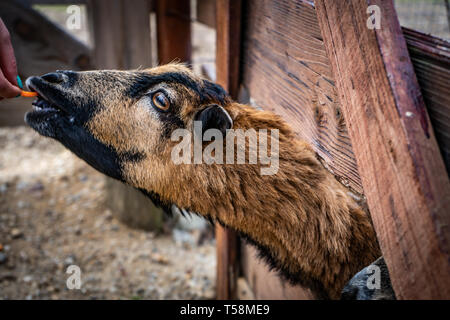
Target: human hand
8, 67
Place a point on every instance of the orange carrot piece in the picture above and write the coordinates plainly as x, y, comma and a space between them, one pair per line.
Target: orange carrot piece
28, 94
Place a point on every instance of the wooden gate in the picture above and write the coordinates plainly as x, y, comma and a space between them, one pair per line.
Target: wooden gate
352, 92
374, 104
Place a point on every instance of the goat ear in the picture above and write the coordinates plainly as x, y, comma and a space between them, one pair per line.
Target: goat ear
214, 117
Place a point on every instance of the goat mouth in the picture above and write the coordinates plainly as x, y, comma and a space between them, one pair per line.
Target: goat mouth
40, 105
44, 116
46, 106
47, 115
43, 103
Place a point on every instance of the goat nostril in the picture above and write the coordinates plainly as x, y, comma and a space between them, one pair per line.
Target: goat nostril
54, 77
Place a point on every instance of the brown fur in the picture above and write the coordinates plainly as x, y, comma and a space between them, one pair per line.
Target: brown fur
302, 216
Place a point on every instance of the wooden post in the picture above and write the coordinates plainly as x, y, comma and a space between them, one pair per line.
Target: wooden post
228, 28
121, 34
402, 172
106, 23
137, 50
173, 22
122, 41
206, 12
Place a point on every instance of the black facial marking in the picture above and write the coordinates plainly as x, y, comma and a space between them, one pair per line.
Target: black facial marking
145, 81
213, 91
75, 106
132, 156
98, 155
171, 121
95, 153
205, 89
72, 77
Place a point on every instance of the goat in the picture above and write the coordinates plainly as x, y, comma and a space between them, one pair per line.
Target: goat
302, 220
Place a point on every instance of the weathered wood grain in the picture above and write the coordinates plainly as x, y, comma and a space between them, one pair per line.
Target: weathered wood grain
228, 18
402, 172
431, 59
286, 70
173, 22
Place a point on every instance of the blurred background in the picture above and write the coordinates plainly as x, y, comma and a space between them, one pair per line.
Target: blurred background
427, 16
55, 210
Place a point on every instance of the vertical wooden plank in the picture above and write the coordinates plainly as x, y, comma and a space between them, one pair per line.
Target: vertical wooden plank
121, 34
228, 30
402, 172
137, 34
122, 41
227, 264
173, 20
206, 12
286, 70
108, 30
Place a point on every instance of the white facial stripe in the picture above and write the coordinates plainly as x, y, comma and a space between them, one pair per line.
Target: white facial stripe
228, 115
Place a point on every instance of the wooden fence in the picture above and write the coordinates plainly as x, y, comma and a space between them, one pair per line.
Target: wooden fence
352, 93
373, 103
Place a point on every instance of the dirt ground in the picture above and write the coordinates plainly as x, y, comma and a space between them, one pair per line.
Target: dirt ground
52, 215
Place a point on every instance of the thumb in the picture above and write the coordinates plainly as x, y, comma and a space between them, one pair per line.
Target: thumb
7, 90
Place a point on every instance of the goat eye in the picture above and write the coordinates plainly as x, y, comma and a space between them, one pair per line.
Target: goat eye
160, 101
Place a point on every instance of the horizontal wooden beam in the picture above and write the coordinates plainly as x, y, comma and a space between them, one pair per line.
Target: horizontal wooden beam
402, 172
